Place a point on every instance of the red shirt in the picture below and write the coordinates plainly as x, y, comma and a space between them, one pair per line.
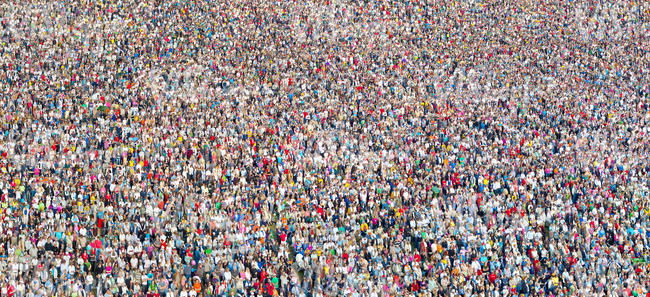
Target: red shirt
270, 288
415, 287
492, 277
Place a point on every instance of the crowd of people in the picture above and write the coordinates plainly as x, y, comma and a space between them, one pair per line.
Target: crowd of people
324, 148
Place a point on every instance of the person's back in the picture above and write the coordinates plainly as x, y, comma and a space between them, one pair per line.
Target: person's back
524, 288
187, 270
